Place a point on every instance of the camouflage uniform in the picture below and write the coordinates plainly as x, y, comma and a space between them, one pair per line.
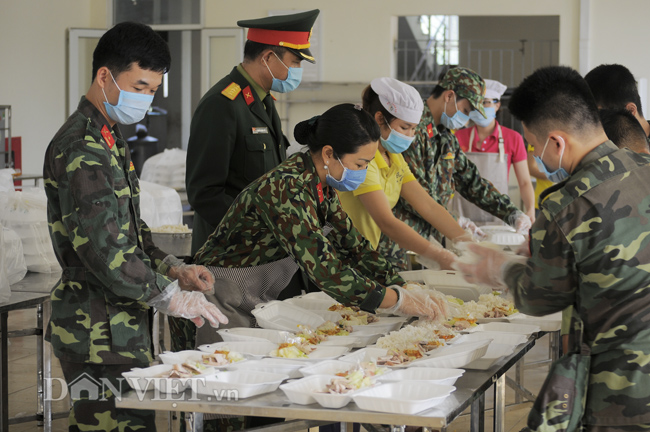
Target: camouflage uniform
283, 214
442, 168
111, 268
592, 242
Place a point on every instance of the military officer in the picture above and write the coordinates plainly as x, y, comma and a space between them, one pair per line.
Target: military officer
236, 134
589, 248
440, 165
112, 271
292, 218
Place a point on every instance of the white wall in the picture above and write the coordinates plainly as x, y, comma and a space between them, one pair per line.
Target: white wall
358, 44
33, 69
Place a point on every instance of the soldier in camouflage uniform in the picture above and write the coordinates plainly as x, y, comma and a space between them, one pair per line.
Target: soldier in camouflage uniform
441, 167
291, 218
589, 248
112, 272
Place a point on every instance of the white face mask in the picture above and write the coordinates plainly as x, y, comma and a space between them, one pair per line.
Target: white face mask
131, 107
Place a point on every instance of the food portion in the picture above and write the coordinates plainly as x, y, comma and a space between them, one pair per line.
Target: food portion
310, 336
334, 329
488, 306
292, 350
416, 340
221, 358
397, 358
171, 229
355, 379
185, 370
352, 315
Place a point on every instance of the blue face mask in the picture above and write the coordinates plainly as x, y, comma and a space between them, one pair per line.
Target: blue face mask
396, 142
131, 107
478, 119
291, 83
350, 180
457, 121
555, 176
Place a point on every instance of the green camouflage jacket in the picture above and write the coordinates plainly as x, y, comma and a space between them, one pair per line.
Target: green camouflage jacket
110, 265
283, 213
442, 168
591, 242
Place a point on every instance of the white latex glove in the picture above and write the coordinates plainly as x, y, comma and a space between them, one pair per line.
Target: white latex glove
190, 277
521, 222
445, 258
188, 304
470, 226
487, 266
420, 302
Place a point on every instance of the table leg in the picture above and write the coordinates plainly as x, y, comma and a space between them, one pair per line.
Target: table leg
554, 345
47, 370
477, 414
499, 403
4, 371
396, 428
39, 365
519, 378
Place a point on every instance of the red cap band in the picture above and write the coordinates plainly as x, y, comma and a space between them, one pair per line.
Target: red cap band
287, 39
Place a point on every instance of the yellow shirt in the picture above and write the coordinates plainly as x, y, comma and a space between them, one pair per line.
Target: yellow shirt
540, 184
382, 177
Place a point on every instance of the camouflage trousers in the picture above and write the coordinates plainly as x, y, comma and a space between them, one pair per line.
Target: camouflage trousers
93, 404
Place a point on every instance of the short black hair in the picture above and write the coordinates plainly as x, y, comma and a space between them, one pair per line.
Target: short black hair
554, 96
372, 104
345, 127
130, 42
624, 129
613, 87
253, 50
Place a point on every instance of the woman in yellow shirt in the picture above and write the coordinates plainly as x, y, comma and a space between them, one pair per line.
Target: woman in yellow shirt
397, 108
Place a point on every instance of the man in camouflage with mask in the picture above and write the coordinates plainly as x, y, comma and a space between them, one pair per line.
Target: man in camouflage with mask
112, 272
441, 167
589, 248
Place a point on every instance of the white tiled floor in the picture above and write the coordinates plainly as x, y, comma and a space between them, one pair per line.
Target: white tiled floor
22, 385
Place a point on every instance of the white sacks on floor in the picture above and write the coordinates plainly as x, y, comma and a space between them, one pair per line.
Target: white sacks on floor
160, 205
26, 214
12, 247
166, 168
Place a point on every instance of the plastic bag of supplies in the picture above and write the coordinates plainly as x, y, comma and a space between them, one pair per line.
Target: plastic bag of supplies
5, 290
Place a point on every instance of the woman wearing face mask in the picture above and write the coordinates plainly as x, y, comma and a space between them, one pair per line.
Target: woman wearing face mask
291, 218
495, 148
397, 108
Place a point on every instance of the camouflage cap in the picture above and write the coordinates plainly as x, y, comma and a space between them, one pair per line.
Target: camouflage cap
467, 84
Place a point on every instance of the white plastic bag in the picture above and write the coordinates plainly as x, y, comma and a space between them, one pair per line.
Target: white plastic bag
27, 215
160, 205
166, 168
5, 290
14, 257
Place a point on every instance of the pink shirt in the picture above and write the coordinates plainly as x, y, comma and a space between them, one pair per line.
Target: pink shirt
513, 143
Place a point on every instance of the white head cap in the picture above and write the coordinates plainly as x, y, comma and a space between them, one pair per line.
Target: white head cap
494, 89
399, 99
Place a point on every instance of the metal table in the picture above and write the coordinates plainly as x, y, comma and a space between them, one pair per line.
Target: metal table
470, 392
32, 291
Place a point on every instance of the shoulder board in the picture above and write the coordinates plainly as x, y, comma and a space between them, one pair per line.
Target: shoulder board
231, 91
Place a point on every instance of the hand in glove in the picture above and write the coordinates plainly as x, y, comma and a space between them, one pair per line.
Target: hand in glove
521, 222
470, 226
421, 302
188, 304
190, 277
487, 268
445, 258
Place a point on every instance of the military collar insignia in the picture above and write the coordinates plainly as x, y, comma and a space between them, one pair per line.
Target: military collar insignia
108, 137
319, 189
430, 130
248, 95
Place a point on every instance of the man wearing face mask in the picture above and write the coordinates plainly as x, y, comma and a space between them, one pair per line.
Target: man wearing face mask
236, 134
441, 167
113, 274
494, 149
590, 249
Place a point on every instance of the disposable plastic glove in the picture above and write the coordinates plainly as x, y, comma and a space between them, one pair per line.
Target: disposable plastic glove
190, 277
188, 304
445, 258
521, 222
470, 226
421, 303
486, 268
